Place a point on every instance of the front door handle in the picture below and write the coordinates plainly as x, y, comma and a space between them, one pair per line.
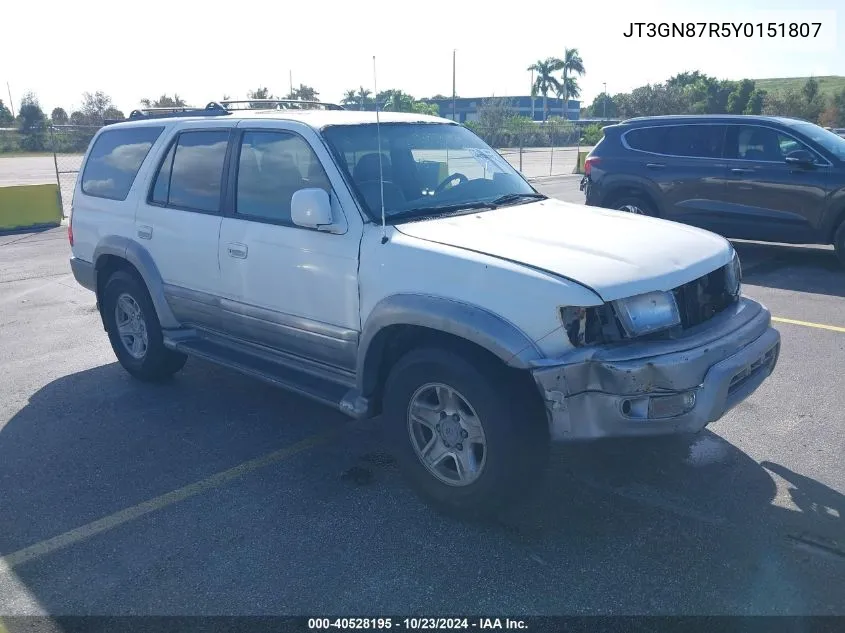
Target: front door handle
655, 165
145, 232
741, 170
237, 250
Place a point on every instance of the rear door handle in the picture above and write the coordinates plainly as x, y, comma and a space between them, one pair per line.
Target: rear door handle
741, 170
145, 232
237, 250
655, 165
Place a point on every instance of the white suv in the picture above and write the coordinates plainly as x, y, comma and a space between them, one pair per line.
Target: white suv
482, 319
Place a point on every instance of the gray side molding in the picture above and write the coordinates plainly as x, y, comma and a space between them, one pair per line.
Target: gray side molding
141, 259
464, 320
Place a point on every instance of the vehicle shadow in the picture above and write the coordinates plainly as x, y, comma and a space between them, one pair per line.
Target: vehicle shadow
617, 527
798, 268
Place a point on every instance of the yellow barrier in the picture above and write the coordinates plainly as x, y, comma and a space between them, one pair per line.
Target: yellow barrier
28, 206
579, 166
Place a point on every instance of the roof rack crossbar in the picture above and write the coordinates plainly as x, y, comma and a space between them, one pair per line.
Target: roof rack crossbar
280, 104
212, 109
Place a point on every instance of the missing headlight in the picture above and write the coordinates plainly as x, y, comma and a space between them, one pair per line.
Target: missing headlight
587, 326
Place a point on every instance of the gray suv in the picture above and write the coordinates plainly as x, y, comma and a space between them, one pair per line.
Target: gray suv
761, 178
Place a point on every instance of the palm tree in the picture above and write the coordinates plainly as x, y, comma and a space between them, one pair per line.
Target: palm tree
363, 96
397, 101
350, 97
572, 64
545, 81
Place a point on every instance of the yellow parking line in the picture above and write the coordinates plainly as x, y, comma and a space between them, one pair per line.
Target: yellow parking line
821, 326
157, 503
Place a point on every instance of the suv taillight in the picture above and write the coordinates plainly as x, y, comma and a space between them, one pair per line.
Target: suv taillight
70, 228
589, 162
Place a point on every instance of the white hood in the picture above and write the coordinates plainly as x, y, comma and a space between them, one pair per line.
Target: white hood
615, 253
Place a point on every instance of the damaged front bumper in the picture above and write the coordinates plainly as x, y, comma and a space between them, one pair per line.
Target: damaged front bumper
660, 387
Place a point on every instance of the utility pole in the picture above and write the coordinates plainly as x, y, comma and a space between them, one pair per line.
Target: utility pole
290, 78
605, 100
11, 103
454, 98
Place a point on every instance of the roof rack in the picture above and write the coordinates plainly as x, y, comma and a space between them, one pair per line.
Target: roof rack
212, 109
280, 104
223, 108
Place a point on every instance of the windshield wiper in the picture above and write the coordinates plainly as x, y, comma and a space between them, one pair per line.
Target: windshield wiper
510, 198
421, 212
458, 209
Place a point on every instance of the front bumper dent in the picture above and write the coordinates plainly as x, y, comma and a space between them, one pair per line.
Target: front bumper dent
660, 387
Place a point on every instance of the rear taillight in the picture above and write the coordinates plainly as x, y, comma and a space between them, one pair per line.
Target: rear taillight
70, 228
589, 163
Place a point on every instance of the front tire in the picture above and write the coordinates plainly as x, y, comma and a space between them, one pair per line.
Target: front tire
134, 330
466, 435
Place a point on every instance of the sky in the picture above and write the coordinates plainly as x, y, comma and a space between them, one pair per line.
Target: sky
205, 50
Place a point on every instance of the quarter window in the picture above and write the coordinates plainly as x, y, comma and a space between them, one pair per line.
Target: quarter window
272, 166
115, 159
648, 139
191, 173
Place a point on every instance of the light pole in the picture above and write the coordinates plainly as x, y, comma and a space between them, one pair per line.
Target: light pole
454, 99
604, 83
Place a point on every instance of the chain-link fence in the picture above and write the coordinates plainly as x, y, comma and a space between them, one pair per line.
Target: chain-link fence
45, 154
68, 143
535, 149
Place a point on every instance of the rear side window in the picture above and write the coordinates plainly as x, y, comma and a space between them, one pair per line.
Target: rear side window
696, 141
115, 159
191, 173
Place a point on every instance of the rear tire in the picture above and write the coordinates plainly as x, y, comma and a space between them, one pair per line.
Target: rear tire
839, 243
134, 330
633, 203
484, 442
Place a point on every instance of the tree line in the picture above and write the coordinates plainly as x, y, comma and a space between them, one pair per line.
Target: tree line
31, 124
697, 93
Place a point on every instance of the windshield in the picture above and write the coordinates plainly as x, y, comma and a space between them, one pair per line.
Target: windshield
429, 169
833, 143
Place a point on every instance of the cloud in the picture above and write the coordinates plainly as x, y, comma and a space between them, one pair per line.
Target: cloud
127, 158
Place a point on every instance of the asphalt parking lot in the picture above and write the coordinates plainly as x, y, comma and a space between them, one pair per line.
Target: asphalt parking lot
217, 494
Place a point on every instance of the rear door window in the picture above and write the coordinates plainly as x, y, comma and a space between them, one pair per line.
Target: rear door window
695, 141
191, 174
115, 159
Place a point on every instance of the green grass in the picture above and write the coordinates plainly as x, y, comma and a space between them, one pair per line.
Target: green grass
828, 86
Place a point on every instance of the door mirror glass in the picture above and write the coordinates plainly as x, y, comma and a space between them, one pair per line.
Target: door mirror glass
800, 157
311, 208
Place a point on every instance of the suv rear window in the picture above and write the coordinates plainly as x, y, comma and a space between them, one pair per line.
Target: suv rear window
115, 159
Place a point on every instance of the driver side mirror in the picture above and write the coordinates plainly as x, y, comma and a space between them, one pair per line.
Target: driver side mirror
800, 158
311, 208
